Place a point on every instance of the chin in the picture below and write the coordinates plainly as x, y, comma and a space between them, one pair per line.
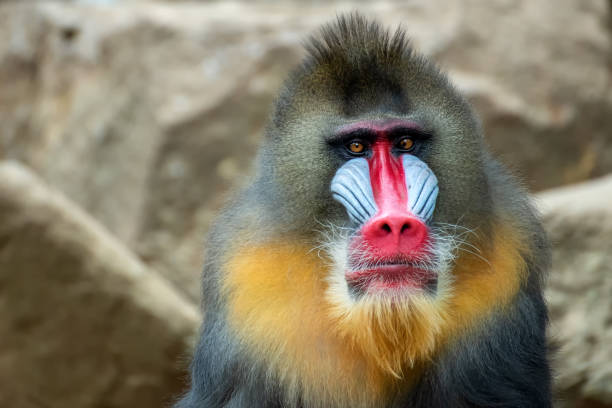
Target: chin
390, 306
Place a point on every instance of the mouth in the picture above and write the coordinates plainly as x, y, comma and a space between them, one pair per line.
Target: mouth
390, 276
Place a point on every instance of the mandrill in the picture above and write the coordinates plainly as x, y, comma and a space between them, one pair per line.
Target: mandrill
380, 257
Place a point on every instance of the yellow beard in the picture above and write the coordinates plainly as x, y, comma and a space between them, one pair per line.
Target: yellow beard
328, 350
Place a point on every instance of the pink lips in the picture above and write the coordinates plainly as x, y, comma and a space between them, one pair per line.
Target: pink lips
390, 276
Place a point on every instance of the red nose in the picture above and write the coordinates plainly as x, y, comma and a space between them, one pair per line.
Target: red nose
392, 233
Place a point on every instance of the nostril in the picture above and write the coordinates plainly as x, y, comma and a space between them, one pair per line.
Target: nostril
392, 234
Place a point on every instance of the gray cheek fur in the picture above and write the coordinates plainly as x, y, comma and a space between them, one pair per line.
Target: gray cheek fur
351, 187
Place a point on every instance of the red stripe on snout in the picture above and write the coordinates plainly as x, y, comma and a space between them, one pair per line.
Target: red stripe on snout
387, 179
393, 231
386, 171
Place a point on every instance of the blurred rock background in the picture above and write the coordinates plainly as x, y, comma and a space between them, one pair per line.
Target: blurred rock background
123, 125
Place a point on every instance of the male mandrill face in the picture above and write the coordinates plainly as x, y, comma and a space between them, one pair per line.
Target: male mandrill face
389, 195
382, 160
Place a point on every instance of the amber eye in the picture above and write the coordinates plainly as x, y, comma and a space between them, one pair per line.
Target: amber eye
406, 143
356, 146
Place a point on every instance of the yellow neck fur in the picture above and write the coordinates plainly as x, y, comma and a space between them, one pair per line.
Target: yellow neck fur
278, 304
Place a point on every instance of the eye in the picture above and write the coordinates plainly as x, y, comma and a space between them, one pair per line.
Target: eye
405, 144
356, 147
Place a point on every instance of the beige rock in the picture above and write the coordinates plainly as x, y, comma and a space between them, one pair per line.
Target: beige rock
535, 72
146, 114
76, 108
579, 222
82, 322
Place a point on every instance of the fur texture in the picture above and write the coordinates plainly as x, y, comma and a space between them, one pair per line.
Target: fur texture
283, 329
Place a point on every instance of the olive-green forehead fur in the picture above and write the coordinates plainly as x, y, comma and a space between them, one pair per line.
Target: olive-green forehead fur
354, 67
356, 70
